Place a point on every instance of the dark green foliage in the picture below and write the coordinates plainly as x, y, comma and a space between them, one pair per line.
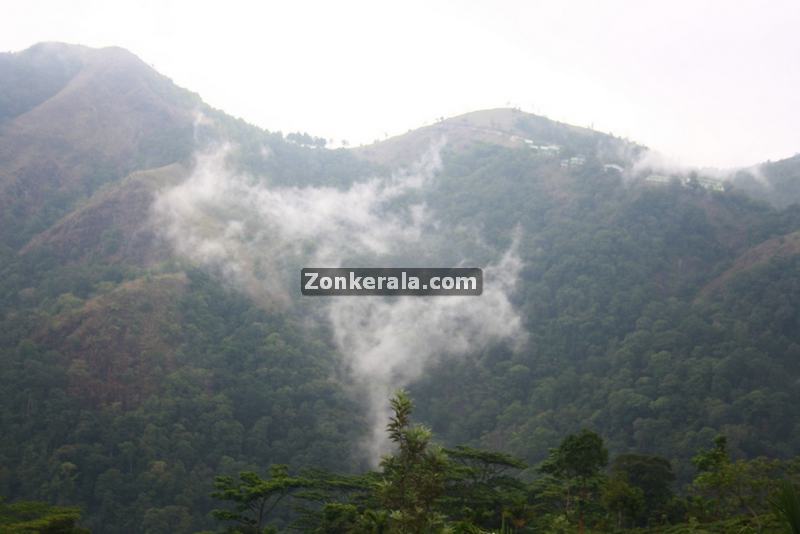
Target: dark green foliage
483, 490
620, 341
576, 472
786, 505
580, 456
625, 337
624, 501
648, 482
254, 498
37, 517
622, 335
245, 389
726, 487
421, 488
413, 479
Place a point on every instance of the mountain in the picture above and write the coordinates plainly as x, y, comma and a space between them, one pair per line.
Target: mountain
91, 117
774, 181
504, 127
152, 336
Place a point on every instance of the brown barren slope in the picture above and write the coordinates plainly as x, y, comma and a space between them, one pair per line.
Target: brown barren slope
115, 115
114, 225
777, 247
117, 345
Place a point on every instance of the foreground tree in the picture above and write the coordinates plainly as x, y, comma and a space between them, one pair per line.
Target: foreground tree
254, 498
730, 487
623, 500
482, 489
414, 477
786, 506
650, 476
576, 465
420, 488
30, 516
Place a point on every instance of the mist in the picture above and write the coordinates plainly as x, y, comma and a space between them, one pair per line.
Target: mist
257, 236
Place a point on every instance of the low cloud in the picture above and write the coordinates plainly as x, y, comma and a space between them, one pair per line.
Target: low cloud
652, 161
257, 236
389, 344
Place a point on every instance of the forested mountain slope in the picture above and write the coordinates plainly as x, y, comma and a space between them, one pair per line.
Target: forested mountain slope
775, 182
144, 349
110, 115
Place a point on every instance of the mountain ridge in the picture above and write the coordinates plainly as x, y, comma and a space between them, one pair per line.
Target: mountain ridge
135, 370
87, 133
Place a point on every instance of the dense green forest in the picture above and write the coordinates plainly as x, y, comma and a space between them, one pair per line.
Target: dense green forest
138, 383
423, 487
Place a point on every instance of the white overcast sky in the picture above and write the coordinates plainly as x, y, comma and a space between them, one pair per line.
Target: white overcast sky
713, 83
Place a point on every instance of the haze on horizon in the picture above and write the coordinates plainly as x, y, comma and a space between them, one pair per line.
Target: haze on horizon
709, 83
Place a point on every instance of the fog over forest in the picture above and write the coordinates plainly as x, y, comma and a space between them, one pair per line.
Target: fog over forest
624, 176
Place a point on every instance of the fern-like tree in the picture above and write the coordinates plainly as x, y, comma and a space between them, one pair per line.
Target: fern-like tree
413, 478
786, 506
